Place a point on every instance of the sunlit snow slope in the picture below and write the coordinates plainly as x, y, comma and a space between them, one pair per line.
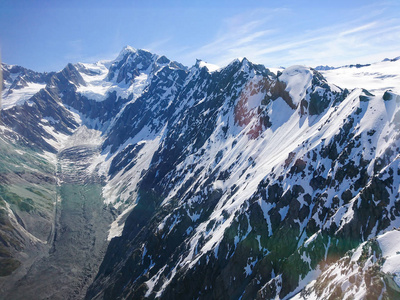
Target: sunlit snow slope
376, 77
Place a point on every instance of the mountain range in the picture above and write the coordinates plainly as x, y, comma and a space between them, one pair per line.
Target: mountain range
142, 178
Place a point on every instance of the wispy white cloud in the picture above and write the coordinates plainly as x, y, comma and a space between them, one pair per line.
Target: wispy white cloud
264, 37
158, 45
236, 35
359, 29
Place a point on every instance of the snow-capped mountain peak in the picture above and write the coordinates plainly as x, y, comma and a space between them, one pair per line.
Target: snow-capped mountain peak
210, 67
20, 84
127, 50
298, 80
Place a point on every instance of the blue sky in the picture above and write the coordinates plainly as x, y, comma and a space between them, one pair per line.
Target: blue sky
45, 35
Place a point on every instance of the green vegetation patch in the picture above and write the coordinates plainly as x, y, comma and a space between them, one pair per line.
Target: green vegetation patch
37, 192
17, 158
8, 265
24, 204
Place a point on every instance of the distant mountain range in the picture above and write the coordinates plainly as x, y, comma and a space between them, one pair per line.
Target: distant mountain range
142, 178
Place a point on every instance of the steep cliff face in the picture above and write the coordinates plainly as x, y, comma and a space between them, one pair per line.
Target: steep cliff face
276, 185
213, 184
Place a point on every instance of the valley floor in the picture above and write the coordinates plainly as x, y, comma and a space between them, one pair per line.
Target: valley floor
80, 236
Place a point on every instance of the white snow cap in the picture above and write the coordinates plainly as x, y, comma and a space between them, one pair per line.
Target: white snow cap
210, 67
298, 79
127, 49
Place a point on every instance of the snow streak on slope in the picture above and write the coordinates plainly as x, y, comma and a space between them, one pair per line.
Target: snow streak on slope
121, 190
389, 244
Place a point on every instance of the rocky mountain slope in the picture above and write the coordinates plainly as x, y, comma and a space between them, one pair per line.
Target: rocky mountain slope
147, 179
